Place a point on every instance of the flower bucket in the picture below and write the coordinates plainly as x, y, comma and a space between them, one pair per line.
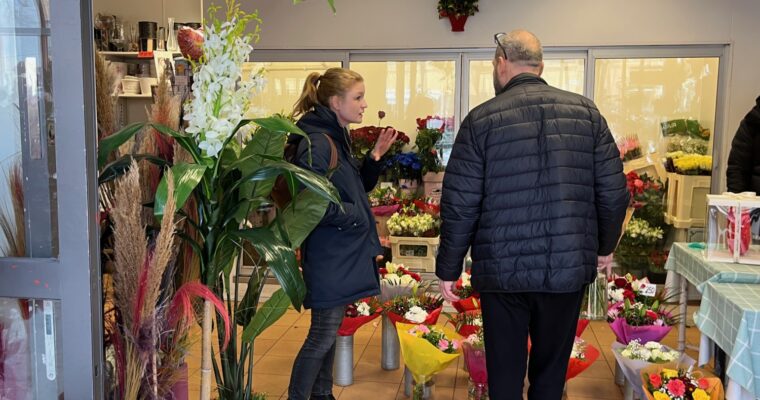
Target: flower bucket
390, 350
344, 360
457, 22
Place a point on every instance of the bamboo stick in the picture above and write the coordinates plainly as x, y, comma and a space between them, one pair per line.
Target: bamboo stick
208, 309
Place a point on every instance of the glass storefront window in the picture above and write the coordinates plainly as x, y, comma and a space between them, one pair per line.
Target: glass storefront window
566, 74
640, 96
28, 137
284, 82
30, 343
407, 90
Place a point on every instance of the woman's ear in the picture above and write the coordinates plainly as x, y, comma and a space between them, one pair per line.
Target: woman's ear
334, 103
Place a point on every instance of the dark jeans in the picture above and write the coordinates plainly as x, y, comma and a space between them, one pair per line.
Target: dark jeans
550, 318
313, 367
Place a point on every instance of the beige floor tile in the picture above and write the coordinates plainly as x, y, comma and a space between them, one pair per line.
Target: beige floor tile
288, 319
285, 348
274, 332
272, 385
369, 390
274, 365
596, 388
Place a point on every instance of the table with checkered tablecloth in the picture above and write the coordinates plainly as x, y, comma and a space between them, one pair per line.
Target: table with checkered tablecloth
690, 266
730, 316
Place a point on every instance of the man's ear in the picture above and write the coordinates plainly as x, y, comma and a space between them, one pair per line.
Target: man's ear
541, 68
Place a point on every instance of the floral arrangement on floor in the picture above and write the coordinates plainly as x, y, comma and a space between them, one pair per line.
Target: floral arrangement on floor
359, 313
469, 299
688, 164
420, 308
467, 323
651, 352
629, 148
426, 350
475, 360
647, 322
581, 357
673, 383
624, 287
398, 275
429, 133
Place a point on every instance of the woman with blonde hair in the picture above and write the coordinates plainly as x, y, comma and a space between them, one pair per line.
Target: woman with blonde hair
339, 255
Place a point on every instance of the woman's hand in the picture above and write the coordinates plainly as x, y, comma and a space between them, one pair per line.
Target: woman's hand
384, 142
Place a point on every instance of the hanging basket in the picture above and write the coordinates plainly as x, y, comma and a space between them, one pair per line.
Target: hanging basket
457, 22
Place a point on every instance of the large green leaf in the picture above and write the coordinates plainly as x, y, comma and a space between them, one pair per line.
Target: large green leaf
264, 142
111, 143
121, 165
331, 3
303, 215
250, 302
187, 142
269, 313
222, 260
186, 178
281, 261
312, 181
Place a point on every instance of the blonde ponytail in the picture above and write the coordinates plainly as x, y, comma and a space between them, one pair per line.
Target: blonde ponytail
318, 88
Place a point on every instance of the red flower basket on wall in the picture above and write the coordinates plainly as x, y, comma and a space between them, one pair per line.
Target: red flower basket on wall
457, 22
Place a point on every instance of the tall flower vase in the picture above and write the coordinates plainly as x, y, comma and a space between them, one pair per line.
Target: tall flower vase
457, 22
417, 391
596, 298
344, 360
389, 355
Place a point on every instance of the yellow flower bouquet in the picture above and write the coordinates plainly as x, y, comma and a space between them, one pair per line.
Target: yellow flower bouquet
427, 350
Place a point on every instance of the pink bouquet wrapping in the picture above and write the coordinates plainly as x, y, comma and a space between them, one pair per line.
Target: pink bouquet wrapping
648, 333
384, 211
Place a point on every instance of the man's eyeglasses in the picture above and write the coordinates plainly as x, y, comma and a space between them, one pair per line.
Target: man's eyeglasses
497, 38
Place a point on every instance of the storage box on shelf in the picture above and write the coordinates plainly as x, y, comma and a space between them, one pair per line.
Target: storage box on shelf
415, 252
687, 200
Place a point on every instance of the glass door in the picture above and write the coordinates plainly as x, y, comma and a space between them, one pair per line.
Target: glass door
49, 277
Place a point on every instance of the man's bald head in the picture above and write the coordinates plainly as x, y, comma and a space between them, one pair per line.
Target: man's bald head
522, 48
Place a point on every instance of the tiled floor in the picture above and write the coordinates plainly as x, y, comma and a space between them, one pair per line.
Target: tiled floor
276, 348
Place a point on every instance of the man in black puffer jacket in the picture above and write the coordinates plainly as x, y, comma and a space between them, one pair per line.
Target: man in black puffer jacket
535, 185
743, 172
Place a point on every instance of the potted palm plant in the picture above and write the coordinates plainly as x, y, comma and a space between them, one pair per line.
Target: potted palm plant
457, 11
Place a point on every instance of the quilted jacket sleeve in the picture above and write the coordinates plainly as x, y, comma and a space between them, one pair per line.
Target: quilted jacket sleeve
610, 191
460, 203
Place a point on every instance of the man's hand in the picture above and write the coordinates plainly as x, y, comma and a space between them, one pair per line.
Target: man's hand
447, 290
604, 264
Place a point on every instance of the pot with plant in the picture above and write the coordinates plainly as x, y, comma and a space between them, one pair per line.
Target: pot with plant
429, 134
457, 12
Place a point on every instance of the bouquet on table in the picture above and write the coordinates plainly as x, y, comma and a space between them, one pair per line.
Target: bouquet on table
359, 313
420, 308
666, 382
475, 361
634, 357
427, 350
396, 280
469, 299
646, 321
581, 357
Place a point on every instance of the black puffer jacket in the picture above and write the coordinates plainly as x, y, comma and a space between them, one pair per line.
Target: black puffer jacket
743, 172
339, 255
535, 184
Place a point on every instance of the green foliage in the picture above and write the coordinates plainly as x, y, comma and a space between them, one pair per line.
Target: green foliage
457, 7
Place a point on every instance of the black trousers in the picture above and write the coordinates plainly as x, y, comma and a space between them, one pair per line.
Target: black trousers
508, 318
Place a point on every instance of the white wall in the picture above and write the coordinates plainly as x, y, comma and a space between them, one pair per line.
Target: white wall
409, 24
132, 11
